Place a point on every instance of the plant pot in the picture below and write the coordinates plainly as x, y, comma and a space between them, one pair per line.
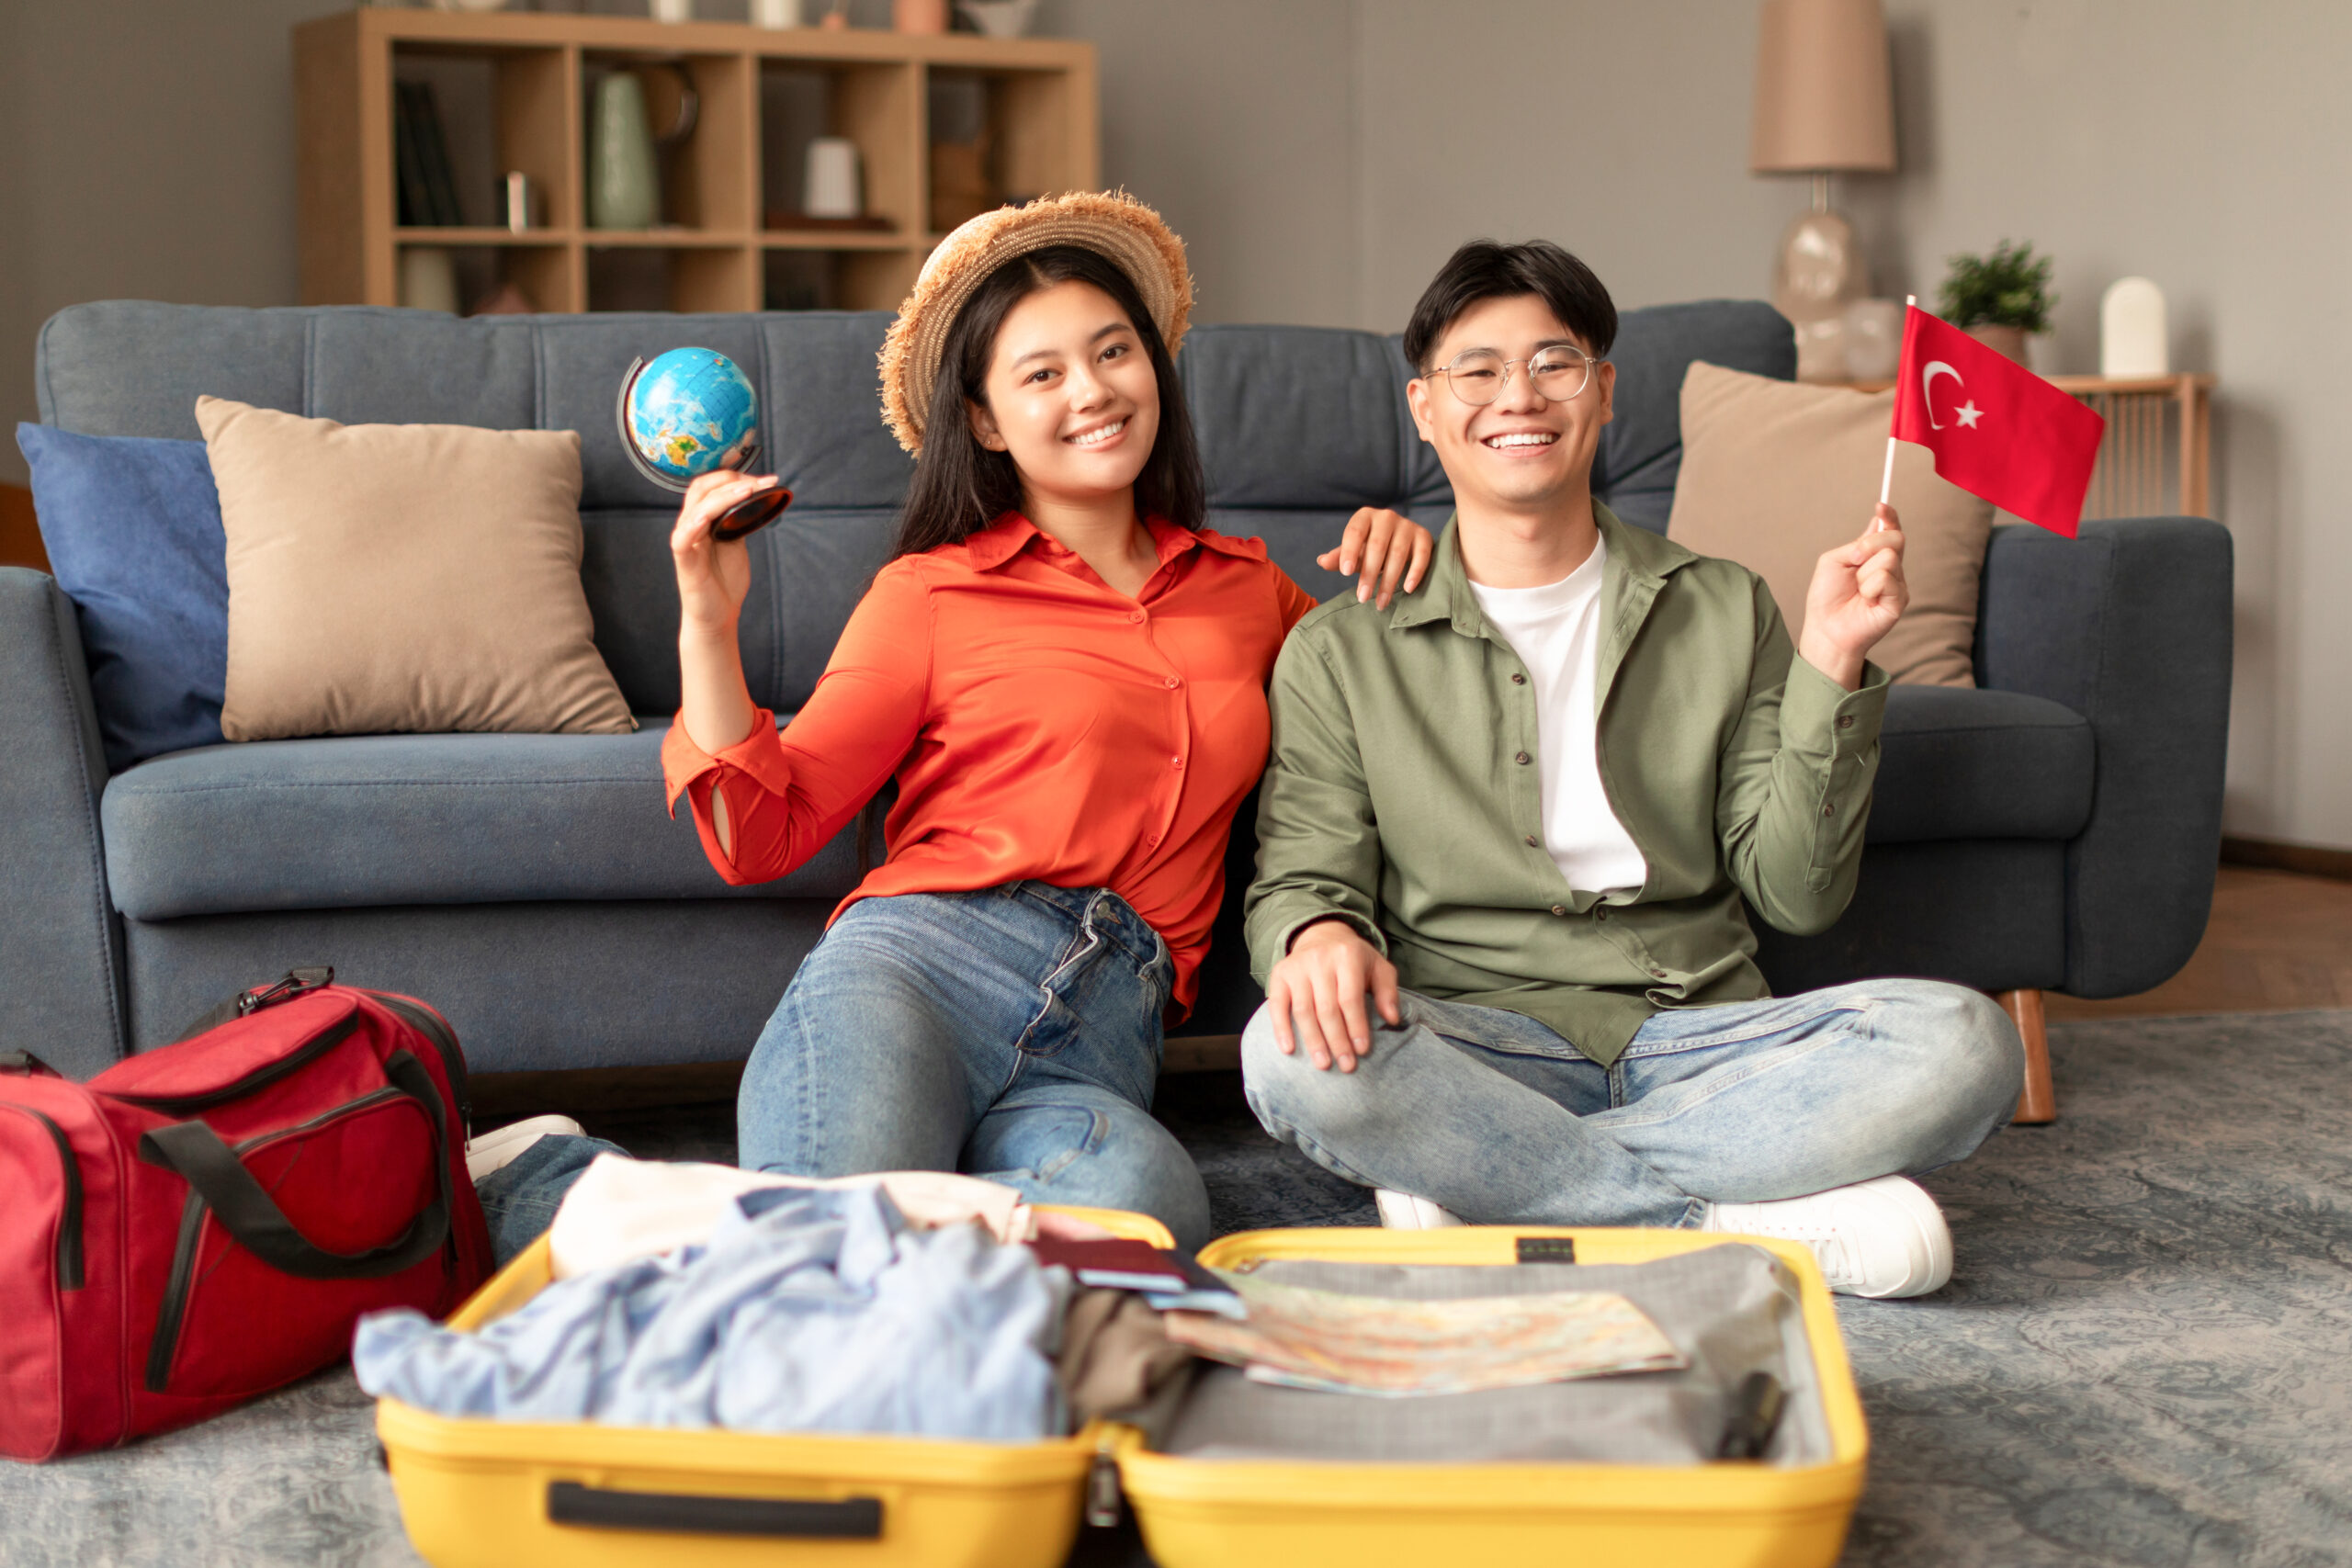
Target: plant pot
2005, 340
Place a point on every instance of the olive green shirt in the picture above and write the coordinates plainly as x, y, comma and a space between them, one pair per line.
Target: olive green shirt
1404, 793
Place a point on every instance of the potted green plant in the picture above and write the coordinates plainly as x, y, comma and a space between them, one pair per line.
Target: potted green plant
2000, 296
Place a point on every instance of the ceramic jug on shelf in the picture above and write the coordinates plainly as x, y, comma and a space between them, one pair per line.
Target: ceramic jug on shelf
624, 182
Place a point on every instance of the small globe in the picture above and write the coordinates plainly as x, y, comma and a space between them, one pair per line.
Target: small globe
690, 410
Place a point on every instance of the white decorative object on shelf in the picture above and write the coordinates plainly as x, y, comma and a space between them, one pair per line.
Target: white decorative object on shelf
470, 5
428, 279
2132, 335
776, 14
999, 19
671, 10
1874, 339
831, 184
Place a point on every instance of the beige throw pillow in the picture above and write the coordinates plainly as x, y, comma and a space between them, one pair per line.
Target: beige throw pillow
402, 576
1775, 472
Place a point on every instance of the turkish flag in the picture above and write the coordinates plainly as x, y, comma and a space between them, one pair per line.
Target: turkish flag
1997, 429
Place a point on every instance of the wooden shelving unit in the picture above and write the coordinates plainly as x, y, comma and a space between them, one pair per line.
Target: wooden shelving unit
514, 91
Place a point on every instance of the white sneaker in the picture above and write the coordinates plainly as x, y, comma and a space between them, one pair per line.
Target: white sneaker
1884, 1237
1403, 1211
497, 1148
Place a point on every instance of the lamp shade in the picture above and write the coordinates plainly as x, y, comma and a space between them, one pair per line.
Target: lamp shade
1822, 99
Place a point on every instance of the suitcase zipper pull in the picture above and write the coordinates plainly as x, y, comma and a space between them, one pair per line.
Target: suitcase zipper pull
1102, 1488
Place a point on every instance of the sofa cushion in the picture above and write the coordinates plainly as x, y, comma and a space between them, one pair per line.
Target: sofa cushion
1958, 762
132, 528
1776, 473
402, 578
380, 819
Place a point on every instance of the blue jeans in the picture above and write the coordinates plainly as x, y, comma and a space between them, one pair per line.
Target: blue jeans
1012, 1034
1495, 1117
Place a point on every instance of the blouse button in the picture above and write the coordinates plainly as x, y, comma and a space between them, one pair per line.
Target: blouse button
1559, 908
1173, 682
1135, 615
1531, 841
1522, 759
1517, 680
1176, 762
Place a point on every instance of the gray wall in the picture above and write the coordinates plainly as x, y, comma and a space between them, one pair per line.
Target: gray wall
1321, 157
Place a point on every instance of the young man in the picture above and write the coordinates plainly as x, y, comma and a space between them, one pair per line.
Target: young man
1519, 809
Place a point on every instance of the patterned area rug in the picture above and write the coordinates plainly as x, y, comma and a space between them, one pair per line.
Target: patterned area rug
2145, 1359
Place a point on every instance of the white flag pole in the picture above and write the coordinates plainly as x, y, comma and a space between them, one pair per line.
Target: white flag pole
1886, 480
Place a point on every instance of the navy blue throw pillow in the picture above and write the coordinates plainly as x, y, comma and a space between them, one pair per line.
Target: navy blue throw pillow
132, 528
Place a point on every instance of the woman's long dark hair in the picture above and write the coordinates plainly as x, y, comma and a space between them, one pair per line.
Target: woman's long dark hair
960, 486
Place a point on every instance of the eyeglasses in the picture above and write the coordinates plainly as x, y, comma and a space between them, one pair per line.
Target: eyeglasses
1479, 374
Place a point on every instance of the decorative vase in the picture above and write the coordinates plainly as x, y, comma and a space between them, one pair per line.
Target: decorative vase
999, 19
624, 185
919, 16
830, 186
428, 279
775, 13
2131, 336
2010, 341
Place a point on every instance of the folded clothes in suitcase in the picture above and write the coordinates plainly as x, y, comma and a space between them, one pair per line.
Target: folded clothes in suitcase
476, 1492
1598, 1471
1618, 1470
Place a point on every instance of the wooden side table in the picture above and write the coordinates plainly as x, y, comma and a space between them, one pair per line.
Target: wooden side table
2130, 479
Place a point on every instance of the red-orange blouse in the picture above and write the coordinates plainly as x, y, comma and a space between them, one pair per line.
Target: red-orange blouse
1042, 726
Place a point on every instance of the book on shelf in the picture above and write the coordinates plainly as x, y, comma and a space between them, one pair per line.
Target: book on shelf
428, 186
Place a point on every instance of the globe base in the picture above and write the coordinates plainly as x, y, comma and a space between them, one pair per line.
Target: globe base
751, 514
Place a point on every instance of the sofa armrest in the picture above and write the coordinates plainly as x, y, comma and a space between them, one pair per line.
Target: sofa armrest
61, 946
2129, 625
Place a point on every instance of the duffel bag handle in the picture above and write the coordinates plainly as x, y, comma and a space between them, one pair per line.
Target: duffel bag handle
254, 1219
297, 982
693, 1513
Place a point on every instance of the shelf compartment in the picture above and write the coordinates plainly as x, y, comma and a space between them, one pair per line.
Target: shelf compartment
670, 278
874, 105
544, 272
795, 279
706, 174
500, 110
997, 136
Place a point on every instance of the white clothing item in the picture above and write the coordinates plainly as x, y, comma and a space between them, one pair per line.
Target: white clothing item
1882, 1238
496, 1149
621, 1210
1556, 631
1403, 1211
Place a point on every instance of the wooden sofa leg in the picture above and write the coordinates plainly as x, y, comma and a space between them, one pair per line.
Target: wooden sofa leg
2038, 1106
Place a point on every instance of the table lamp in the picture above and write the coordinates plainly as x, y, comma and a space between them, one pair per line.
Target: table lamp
1824, 105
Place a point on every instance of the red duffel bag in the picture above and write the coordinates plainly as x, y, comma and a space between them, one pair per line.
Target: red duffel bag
204, 1222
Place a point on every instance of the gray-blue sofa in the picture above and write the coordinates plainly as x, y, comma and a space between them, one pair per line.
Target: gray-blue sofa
2055, 829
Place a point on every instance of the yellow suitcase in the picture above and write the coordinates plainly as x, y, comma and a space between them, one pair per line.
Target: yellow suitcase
1261, 1514
482, 1494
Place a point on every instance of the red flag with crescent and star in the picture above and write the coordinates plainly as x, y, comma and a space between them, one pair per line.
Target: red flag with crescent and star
1997, 429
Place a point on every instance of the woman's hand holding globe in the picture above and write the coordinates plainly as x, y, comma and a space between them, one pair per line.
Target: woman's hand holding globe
713, 576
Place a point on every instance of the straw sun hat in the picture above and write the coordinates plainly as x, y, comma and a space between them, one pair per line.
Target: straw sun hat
1111, 223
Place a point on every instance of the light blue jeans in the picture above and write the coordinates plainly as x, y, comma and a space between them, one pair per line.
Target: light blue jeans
1495, 1117
1013, 1033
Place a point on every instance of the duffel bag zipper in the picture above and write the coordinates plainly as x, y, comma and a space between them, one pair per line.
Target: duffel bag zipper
169, 1317
434, 1027
69, 1224
181, 1104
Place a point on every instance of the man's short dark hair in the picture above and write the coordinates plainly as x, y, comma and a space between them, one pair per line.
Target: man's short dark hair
1485, 270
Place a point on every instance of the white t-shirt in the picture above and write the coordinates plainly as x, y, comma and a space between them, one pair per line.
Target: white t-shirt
1555, 629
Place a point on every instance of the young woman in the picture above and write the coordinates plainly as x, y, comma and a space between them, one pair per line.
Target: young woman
1065, 671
